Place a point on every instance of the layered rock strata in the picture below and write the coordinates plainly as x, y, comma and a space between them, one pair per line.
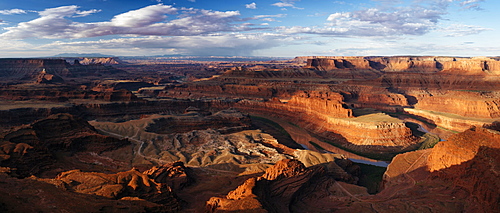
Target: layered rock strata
370, 133
475, 104
464, 66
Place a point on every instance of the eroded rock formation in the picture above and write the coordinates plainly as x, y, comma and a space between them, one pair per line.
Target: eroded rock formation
31, 149
278, 189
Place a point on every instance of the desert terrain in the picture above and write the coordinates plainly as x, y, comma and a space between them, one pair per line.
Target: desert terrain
222, 134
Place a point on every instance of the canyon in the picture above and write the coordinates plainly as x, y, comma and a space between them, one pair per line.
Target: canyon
167, 135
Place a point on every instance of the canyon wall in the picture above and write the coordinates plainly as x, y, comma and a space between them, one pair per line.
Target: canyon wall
463, 103
30, 69
464, 167
425, 64
64, 94
371, 133
448, 121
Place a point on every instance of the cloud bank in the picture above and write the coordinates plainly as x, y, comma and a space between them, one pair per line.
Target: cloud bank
56, 23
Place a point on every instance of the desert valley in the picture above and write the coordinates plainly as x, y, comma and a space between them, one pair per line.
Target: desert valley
221, 134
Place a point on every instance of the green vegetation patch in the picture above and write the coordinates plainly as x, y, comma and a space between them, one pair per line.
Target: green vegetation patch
374, 156
317, 146
371, 177
271, 123
429, 141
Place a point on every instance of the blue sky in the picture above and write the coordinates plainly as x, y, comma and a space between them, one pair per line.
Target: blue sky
286, 28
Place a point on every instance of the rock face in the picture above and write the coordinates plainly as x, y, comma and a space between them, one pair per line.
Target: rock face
118, 186
124, 184
149, 191
24, 69
466, 164
462, 148
333, 64
370, 133
33, 195
449, 121
175, 175
45, 78
464, 66
475, 104
64, 94
277, 190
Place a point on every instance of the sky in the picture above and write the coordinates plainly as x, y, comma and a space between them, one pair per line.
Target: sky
276, 28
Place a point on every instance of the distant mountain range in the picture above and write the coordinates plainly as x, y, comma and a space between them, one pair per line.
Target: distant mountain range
172, 57
83, 55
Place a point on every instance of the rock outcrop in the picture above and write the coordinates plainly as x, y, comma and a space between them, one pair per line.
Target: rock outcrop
103, 61
34, 195
118, 186
175, 175
278, 189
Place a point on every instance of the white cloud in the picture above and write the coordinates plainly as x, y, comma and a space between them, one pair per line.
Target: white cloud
286, 3
270, 16
86, 13
143, 17
252, 5
472, 4
56, 23
283, 4
268, 19
412, 20
459, 30
65, 11
13, 11
216, 44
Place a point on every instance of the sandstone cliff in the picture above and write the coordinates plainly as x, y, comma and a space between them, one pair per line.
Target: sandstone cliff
425, 64
371, 133
475, 104
464, 168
